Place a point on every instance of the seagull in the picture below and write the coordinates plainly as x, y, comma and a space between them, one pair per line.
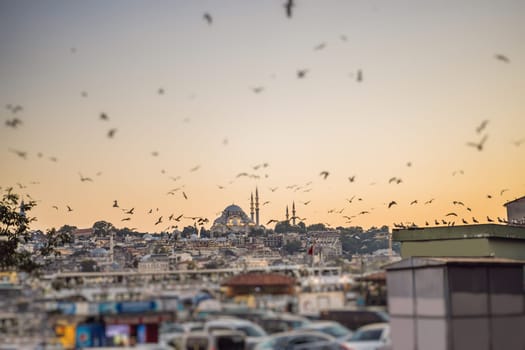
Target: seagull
267, 202
503, 191
178, 217
464, 221
409, 164
55, 207
413, 202
391, 204
288, 6
103, 116
126, 219
429, 201
184, 195
451, 214
458, 203
489, 219
351, 178
69, 208
159, 221
160, 91
457, 172
502, 58
207, 17
195, 168
350, 200
112, 132
13, 123
479, 145
84, 179
474, 220
21, 154
519, 142
84, 94
258, 89
482, 126
324, 174
302, 73
359, 77
320, 46
130, 212
115, 204
271, 221
273, 189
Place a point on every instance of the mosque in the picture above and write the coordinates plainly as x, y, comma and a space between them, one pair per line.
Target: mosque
234, 220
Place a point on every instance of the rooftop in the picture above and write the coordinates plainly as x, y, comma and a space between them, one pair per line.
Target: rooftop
459, 232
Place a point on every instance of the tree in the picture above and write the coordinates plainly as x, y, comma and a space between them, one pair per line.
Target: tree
102, 228
188, 231
14, 233
316, 227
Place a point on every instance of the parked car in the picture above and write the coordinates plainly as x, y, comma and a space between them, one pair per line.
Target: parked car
214, 340
355, 318
170, 332
299, 340
369, 337
282, 322
253, 332
332, 328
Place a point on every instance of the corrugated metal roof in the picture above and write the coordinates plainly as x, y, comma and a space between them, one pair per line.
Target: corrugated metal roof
420, 262
259, 279
513, 201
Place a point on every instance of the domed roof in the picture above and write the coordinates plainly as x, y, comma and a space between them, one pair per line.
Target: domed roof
233, 207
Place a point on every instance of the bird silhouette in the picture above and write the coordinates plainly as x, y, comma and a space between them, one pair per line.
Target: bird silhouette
458, 203
159, 220
451, 214
115, 204
126, 219
302, 73
413, 202
160, 91
351, 178
359, 76
350, 200
258, 89
289, 6
464, 221
503, 191
479, 145
272, 221
457, 172
306, 203
55, 207
436, 222
178, 217
84, 94
84, 178
273, 189
324, 174
207, 17
69, 208
502, 58
103, 116
13, 123
409, 164
482, 126
195, 168
518, 143
489, 219
184, 195
267, 202
130, 212
111, 133
474, 220
320, 46
392, 203
21, 154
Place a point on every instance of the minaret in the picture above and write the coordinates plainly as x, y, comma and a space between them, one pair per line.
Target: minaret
251, 207
287, 215
256, 206
293, 213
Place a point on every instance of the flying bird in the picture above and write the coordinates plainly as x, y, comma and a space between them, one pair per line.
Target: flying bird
55, 207
359, 76
21, 154
451, 214
351, 178
392, 203
489, 219
502, 58
429, 201
258, 89
184, 195
111, 133
482, 126
306, 203
103, 116
464, 221
130, 212
474, 220
324, 174
503, 191
288, 6
126, 219
302, 73
160, 91
13, 123
159, 220
519, 142
69, 208
413, 202
272, 221
84, 178
207, 17
478, 145
320, 46
115, 204
195, 168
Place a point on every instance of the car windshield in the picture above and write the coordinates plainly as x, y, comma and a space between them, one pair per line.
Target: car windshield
367, 335
335, 331
251, 331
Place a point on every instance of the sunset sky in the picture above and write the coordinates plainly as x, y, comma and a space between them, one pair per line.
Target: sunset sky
430, 78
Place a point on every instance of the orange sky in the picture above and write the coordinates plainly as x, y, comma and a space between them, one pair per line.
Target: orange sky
430, 77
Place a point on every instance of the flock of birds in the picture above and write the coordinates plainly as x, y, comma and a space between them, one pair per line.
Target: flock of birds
259, 171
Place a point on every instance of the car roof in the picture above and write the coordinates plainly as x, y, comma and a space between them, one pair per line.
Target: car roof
319, 324
299, 332
374, 326
228, 321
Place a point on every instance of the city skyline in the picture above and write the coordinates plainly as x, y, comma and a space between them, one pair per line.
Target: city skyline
154, 106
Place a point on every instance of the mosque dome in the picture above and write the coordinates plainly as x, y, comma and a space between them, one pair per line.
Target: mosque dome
232, 219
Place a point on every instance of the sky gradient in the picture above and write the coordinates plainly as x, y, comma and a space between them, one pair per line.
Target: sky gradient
430, 77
